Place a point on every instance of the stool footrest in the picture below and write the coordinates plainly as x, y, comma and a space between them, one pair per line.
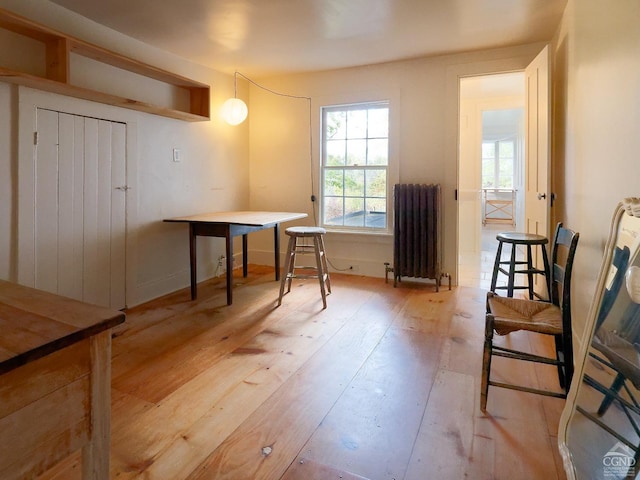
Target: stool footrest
524, 272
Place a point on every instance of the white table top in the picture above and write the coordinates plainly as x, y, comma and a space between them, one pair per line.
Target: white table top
240, 218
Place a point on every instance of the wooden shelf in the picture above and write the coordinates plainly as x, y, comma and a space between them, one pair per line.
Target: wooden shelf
59, 48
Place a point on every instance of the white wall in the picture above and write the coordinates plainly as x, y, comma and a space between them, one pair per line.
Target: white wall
427, 93
597, 119
213, 174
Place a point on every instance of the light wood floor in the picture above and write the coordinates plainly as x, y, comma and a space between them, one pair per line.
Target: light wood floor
383, 384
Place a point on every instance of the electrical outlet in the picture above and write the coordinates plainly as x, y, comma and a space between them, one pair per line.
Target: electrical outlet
177, 156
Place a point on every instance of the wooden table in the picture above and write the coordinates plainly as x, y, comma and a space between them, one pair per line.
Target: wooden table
229, 225
55, 382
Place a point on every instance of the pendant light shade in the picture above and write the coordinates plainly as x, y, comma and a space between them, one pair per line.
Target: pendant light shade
632, 280
234, 111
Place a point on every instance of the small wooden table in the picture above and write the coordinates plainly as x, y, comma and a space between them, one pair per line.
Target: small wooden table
55, 382
229, 225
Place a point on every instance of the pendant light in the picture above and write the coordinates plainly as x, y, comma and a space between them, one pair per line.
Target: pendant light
234, 110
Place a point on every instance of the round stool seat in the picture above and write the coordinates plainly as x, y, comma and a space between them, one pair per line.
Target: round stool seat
305, 231
520, 238
525, 267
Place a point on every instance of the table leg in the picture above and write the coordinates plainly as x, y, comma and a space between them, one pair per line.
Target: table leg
229, 246
245, 255
276, 249
95, 455
192, 262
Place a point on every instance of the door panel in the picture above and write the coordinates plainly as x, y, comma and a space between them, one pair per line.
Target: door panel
118, 209
537, 182
71, 207
537, 149
79, 214
46, 195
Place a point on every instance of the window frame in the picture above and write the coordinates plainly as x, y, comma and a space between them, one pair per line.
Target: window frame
390, 168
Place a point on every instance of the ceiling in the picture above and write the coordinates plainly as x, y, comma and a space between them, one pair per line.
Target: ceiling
268, 37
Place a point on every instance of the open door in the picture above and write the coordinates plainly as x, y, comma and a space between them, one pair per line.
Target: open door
537, 145
538, 151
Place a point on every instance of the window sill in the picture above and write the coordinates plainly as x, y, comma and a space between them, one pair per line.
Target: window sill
383, 236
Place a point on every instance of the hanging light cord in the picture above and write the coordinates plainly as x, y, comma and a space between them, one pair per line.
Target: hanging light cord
308, 99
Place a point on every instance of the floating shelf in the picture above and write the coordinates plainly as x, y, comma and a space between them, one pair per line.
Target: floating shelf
59, 48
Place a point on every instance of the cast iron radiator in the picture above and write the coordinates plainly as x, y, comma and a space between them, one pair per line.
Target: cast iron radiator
417, 242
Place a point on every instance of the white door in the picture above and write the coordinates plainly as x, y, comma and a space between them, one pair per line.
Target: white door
538, 154
537, 145
79, 188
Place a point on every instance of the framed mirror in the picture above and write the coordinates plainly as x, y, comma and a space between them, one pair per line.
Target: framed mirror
599, 435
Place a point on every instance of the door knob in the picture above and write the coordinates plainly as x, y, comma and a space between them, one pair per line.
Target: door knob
542, 196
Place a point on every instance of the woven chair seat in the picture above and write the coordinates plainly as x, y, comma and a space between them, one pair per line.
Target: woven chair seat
513, 314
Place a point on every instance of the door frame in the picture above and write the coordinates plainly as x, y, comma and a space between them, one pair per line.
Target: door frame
478, 106
516, 62
29, 100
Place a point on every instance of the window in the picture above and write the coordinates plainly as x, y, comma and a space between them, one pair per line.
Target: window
498, 160
355, 164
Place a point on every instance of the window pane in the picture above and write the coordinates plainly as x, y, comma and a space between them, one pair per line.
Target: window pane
333, 182
505, 149
336, 125
356, 152
378, 123
354, 212
333, 212
488, 150
505, 166
488, 173
378, 152
376, 183
376, 212
357, 124
335, 153
354, 183
506, 174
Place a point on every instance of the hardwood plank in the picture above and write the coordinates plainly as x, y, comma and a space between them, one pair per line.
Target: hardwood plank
426, 310
372, 427
310, 470
518, 429
257, 448
447, 445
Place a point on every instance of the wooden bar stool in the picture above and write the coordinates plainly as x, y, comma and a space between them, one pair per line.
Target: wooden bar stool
298, 246
513, 266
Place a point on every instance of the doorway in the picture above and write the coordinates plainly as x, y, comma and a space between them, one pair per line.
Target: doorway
491, 170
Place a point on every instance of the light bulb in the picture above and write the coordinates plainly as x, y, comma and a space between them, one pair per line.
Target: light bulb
234, 111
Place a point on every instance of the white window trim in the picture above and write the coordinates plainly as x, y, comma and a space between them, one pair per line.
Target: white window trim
393, 169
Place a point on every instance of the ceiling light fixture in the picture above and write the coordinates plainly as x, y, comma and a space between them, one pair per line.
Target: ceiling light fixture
234, 110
